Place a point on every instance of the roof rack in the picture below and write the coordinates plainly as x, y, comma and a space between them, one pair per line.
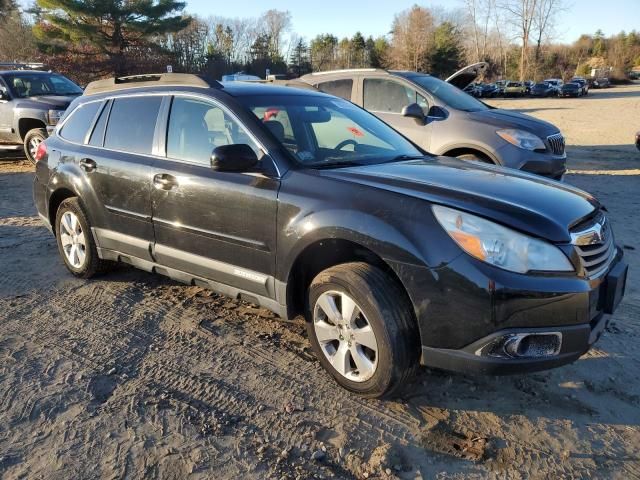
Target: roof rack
150, 80
21, 66
350, 70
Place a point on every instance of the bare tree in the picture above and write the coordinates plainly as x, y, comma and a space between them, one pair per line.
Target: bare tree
521, 14
480, 13
412, 38
16, 37
276, 24
545, 14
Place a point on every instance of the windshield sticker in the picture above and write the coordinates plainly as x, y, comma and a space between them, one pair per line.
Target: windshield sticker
355, 132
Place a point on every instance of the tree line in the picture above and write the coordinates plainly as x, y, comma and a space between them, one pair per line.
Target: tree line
98, 38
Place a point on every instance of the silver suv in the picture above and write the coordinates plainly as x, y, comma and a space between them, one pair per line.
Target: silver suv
439, 117
31, 101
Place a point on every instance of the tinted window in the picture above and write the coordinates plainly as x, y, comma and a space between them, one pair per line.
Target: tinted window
77, 126
386, 96
339, 88
97, 136
131, 124
196, 128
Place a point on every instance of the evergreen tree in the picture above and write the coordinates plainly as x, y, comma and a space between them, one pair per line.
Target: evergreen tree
112, 29
447, 53
300, 64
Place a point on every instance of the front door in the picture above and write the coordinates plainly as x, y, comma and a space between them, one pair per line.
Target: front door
6, 115
386, 98
216, 225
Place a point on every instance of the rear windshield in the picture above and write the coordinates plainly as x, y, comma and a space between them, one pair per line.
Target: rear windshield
24, 85
448, 94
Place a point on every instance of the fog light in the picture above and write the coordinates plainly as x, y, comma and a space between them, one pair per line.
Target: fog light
523, 345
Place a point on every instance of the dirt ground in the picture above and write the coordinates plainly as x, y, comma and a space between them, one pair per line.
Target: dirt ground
132, 375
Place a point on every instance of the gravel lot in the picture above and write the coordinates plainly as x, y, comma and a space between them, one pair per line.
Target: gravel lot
132, 375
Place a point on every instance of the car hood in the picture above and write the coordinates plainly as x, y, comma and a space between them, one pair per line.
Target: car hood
526, 202
53, 102
512, 119
463, 77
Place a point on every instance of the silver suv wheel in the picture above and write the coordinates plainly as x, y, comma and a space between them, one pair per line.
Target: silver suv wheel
73, 239
345, 336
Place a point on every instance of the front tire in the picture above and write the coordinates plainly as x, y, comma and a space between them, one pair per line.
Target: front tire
362, 329
32, 140
75, 241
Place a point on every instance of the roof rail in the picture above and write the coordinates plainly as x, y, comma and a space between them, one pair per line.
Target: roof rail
150, 80
350, 70
22, 66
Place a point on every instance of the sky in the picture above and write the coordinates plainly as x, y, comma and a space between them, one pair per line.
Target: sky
373, 17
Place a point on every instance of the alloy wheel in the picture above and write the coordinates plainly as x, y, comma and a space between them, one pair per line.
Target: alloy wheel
345, 336
73, 239
34, 143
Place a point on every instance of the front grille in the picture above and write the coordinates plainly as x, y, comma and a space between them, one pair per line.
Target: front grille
556, 144
594, 242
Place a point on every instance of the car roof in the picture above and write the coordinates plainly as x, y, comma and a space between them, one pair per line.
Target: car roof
239, 89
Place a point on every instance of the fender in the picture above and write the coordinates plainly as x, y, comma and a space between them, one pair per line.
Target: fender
68, 176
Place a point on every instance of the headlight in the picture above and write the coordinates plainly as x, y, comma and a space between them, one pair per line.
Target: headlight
522, 139
500, 246
55, 116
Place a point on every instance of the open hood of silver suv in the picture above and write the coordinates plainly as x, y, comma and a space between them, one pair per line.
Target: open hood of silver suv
468, 74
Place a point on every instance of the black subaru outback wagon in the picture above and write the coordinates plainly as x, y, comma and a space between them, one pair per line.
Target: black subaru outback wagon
306, 204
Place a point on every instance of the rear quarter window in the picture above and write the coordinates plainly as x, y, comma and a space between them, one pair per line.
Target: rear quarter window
132, 124
77, 126
338, 88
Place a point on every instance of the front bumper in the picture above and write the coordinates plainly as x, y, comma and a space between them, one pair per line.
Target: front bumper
576, 339
545, 164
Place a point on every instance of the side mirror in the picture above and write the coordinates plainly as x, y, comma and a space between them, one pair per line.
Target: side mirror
233, 158
4, 95
414, 111
437, 113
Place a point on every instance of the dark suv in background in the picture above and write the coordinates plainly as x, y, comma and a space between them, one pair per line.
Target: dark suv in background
307, 204
31, 101
442, 119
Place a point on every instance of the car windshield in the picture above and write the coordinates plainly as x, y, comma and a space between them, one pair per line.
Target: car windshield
542, 85
25, 85
327, 132
448, 94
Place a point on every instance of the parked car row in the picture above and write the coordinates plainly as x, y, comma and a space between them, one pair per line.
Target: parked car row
551, 87
307, 204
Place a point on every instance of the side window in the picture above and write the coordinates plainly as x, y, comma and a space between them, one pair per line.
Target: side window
77, 126
423, 102
197, 127
132, 123
386, 96
338, 88
97, 136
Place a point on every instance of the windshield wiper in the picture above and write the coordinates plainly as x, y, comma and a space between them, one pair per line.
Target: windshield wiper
337, 164
402, 158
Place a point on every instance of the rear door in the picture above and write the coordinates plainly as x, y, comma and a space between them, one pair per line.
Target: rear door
117, 160
386, 97
216, 225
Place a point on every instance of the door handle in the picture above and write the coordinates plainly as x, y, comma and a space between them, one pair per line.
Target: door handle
164, 181
88, 165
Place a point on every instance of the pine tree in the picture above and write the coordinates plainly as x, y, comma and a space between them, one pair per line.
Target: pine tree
108, 28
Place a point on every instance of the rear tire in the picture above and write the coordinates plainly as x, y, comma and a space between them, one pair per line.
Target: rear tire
32, 140
374, 350
75, 241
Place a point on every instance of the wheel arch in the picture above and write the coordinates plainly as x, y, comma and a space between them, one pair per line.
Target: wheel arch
325, 253
27, 124
55, 200
474, 150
